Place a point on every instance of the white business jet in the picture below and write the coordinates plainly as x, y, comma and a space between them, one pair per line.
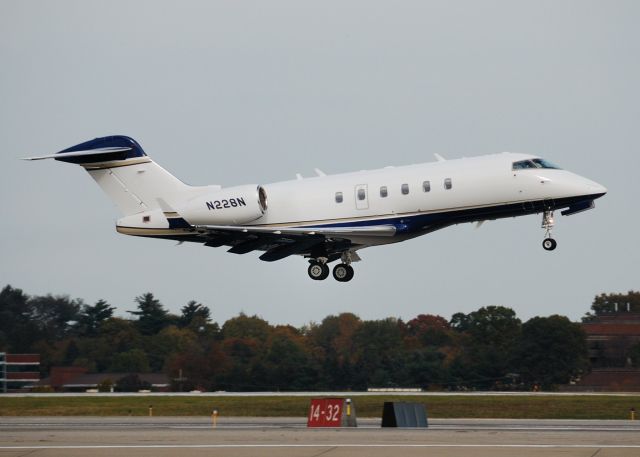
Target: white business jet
328, 217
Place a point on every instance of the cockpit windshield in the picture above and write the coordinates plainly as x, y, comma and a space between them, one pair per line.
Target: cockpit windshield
534, 163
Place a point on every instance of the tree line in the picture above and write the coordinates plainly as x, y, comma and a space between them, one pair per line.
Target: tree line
490, 348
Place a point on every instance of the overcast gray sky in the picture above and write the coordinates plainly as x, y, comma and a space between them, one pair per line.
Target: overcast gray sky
254, 92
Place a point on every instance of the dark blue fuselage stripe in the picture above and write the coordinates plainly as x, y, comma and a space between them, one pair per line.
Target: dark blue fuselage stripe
426, 222
418, 222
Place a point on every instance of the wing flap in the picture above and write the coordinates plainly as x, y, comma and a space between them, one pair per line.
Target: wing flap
245, 247
371, 230
281, 242
297, 247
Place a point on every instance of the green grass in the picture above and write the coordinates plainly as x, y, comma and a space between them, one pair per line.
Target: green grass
472, 406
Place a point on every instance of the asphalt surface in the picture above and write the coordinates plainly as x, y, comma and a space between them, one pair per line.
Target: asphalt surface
248, 437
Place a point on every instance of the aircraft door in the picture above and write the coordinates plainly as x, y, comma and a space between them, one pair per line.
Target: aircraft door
362, 196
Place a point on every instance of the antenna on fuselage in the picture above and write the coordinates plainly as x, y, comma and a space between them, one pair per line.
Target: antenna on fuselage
439, 158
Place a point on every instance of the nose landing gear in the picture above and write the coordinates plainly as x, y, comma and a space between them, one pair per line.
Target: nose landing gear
549, 244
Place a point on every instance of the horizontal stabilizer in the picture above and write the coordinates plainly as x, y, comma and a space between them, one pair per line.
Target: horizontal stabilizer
117, 149
89, 152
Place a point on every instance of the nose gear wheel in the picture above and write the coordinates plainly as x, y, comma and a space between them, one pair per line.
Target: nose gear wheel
549, 244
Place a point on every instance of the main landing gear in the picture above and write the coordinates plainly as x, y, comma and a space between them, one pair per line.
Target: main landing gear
319, 270
549, 244
343, 272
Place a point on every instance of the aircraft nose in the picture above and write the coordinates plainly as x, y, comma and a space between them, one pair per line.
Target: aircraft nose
598, 189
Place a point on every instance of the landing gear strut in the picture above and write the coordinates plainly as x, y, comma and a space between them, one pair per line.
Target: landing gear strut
549, 244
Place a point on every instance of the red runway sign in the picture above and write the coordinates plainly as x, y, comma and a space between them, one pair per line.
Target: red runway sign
325, 412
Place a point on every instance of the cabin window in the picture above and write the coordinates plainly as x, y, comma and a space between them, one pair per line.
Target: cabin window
426, 186
338, 197
361, 194
383, 191
447, 183
404, 189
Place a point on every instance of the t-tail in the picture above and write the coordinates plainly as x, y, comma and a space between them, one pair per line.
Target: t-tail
144, 192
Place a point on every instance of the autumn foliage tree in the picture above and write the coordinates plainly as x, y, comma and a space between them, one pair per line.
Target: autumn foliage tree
489, 348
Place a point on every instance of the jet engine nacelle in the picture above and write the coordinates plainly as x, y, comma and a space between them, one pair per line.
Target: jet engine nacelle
230, 206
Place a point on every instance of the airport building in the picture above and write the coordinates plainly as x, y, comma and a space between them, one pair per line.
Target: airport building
18, 372
77, 379
611, 337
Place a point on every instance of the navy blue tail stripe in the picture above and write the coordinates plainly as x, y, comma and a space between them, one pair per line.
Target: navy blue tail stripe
119, 141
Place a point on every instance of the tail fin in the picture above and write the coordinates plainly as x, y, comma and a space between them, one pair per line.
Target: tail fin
133, 181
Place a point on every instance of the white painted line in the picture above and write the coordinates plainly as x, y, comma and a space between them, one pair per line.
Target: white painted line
244, 427
629, 428
326, 394
325, 445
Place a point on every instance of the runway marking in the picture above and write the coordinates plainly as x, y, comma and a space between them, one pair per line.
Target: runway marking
238, 446
248, 426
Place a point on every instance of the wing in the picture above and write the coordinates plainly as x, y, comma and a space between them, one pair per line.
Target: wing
281, 242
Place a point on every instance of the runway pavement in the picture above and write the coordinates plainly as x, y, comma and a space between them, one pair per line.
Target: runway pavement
248, 437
